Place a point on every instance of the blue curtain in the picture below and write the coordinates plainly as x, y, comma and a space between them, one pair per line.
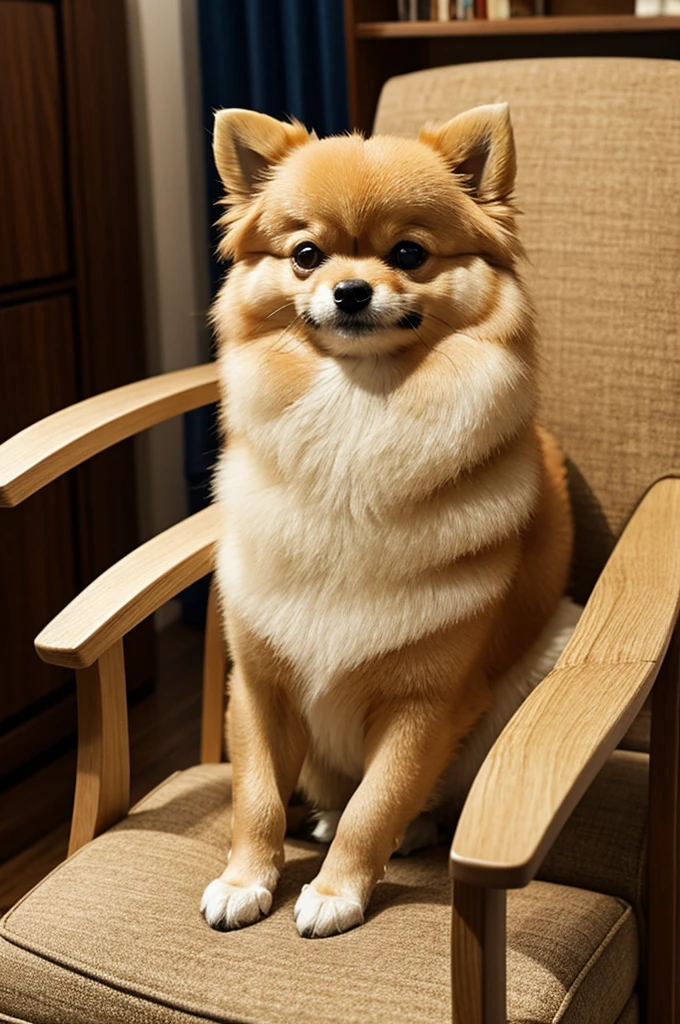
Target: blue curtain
281, 57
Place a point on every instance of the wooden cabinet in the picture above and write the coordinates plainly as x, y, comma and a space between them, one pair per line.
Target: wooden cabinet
33, 154
37, 543
379, 47
71, 325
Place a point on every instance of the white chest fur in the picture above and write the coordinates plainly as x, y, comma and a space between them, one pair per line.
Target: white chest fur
333, 548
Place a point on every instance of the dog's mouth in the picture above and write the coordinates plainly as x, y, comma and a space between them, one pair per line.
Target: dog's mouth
356, 325
411, 321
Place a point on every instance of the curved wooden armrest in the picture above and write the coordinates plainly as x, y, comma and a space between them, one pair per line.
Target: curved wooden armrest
133, 588
549, 753
50, 447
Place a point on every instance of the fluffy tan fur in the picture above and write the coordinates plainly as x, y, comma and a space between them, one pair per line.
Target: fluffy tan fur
396, 525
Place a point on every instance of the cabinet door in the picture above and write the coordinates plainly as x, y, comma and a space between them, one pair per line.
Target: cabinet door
37, 559
32, 159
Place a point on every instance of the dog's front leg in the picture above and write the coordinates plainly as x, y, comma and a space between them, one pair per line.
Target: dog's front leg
267, 745
404, 757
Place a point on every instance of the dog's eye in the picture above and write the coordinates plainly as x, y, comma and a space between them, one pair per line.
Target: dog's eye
307, 256
407, 255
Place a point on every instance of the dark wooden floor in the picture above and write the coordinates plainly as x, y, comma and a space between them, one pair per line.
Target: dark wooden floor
164, 737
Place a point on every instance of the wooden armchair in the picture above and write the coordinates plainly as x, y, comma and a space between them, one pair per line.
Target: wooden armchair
114, 934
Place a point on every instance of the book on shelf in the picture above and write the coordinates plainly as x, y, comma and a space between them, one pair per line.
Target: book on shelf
426, 10
416, 10
657, 8
465, 10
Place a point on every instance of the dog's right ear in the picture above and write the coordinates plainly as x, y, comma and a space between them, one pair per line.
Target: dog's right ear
246, 145
479, 146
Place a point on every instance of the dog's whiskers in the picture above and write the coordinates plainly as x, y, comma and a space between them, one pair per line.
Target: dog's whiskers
273, 313
287, 348
433, 348
439, 320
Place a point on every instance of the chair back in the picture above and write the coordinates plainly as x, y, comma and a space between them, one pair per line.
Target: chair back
598, 143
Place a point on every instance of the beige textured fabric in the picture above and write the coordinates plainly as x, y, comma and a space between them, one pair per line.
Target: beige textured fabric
631, 1014
604, 844
115, 935
598, 144
639, 735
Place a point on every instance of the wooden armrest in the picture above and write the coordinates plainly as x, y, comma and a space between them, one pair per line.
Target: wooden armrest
133, 588
50, 447
549, 753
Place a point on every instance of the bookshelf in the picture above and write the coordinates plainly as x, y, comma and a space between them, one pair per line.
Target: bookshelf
379, 47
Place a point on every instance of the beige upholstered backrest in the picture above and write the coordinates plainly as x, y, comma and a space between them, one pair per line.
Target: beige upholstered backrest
598, 145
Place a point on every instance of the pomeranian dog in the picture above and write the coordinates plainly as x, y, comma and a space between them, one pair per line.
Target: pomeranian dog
397, 530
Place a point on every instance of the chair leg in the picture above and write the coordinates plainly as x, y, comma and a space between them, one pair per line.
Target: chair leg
478, 955
663, 957
102, 794
214, 684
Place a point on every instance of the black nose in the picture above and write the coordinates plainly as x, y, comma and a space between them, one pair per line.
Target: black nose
352, 295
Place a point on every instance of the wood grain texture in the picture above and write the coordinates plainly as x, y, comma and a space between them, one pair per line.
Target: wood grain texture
104, 194
478, 938
515, 26
49, 724
130, 590
164, 726
663, 885
631, 612
109, 298
45, 450
32, 158
37, 575
360, 106
559, 739
103, 776
68, 236
214, 684
350, 19
38, 801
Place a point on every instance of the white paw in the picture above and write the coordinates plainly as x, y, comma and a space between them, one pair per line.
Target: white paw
318, 916
326, 826
421, 832
231, 906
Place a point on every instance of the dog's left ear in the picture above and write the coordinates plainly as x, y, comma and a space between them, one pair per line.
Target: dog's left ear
479, 144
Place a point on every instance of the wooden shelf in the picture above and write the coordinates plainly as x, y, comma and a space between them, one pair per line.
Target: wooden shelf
514, 26
378, 48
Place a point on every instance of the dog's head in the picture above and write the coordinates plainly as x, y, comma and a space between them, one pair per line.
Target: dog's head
367, 244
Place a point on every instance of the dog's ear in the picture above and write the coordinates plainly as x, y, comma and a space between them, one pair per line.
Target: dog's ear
247, 144
479, 145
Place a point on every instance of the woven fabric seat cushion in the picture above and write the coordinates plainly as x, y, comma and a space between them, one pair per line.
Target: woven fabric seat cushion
631, 1014
115, 934
603, 846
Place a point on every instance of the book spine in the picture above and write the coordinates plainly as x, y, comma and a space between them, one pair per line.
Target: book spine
403, 10
443, 10
498, 9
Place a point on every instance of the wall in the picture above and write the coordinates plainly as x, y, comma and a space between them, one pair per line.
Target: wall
166, 89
